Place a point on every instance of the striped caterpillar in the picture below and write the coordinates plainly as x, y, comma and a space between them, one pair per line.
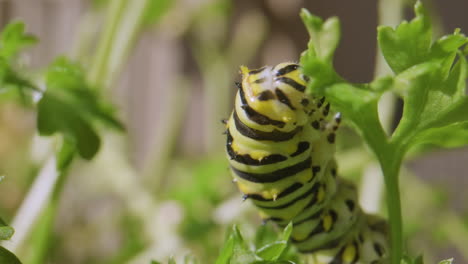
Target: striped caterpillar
280, 145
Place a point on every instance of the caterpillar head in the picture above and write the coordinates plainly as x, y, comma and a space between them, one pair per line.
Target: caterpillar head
277, 92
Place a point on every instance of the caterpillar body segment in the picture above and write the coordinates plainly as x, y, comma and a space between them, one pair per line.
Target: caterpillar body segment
281, 145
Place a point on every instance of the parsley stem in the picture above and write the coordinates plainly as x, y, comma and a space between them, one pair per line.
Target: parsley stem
391, 164
390, 12
98, 71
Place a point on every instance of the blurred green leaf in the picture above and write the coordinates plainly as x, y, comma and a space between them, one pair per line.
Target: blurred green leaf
171, 261
274, 262
265, 234
55, 115
235, 250
6, 232
13, 39
272, 251
287, 232
6, 257
155, 9
409, 260
69, 106
66, 79
447, 261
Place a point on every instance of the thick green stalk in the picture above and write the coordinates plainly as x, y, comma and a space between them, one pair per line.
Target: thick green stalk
390, 12
390, 156
391, 163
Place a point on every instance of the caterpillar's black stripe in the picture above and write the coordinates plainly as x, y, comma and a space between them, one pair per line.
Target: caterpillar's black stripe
274, 135
312, 217
319, 228
257, 70
329, 245
266, 95
292, 83
276, 175
312, 190
260, 80
302, 147
287, 69
314, 200
284, 98
350, 204
247, 159
284, 193
255, 116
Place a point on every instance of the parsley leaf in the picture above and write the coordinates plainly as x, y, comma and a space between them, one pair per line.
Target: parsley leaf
71, 107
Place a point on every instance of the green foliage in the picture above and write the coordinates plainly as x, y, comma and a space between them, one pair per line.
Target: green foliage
6, 257
70, 106
6, 232
155, 10
13, 39
409, 43
430, 77
237, 251
447, 261
419, 260
324, 39
268, 248
409, 260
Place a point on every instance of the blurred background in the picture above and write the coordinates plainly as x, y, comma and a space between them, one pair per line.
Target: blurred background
163, 187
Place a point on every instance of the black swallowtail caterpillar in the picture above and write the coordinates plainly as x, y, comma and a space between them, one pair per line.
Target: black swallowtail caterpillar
281, 144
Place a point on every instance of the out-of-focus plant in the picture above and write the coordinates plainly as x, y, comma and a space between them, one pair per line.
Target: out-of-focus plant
67, 106
6, 232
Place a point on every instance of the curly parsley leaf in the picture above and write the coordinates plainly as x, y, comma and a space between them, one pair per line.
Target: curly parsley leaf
71, 107
317, 60
409, 43
435, 104
430, 77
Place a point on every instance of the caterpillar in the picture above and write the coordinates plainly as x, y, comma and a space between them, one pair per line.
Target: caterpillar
280, 146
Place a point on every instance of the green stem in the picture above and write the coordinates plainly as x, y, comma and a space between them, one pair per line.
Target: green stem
98, 70
125, 20
391, 163
390, 12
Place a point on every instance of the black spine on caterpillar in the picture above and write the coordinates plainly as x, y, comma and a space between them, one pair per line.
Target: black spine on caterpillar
281, 145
